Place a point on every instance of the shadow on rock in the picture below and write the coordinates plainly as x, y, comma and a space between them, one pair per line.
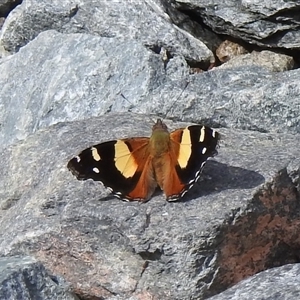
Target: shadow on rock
217, 177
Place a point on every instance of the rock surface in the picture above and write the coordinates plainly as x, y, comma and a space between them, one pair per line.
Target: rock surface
64, 91
228, 50
8, 5
78, 76
278, 283
272, 23
235, 223
145, 21
25, 278
273, 62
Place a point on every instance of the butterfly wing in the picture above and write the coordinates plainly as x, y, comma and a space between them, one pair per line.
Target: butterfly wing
124, 166
190, 149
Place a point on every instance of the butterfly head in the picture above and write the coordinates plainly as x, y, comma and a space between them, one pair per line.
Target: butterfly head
160, 126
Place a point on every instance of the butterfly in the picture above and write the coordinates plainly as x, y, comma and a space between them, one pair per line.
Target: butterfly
132, 168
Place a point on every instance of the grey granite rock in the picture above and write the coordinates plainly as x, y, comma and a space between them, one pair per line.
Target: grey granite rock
237, 221
242, 217
142, 20
265, 23
274, 62
25, 278
294, 171
7, 5
64, 77
280, 283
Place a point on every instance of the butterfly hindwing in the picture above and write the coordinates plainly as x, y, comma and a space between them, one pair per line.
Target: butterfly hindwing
119, 165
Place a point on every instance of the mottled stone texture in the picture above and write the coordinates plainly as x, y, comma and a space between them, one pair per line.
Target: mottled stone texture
237, 221
8, 5
271, 61
144, 21
277, 283
265, 236
25, 278
105, 70
269, 23
78, 76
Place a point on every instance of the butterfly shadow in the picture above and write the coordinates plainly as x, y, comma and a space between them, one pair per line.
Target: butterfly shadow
217, 177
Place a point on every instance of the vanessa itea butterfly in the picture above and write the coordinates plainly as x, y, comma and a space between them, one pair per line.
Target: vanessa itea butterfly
132, 168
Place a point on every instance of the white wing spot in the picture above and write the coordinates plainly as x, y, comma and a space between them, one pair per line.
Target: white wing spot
78, 158
96, 170
95, 154
204, 150
213, 133
202, 134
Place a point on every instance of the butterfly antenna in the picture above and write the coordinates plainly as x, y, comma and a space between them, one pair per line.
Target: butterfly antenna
153, 121
170, 108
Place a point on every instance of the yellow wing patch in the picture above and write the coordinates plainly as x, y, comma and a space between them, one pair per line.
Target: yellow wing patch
124, 161
185, 149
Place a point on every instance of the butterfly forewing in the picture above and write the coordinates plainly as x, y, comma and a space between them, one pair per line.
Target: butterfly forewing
117, 164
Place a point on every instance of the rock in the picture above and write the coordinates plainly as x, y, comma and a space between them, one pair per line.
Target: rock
74, 76
85, 77
236, 222
266, 23
144, 21
228, 50
26, 278
1, 21
294, 171
278, 283
111, 62
235, 55
272, 61
7, 5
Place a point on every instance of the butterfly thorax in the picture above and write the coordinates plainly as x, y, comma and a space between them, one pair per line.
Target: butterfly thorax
160, 139
159, 151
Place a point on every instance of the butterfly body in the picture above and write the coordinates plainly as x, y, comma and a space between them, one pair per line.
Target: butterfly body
132, 168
